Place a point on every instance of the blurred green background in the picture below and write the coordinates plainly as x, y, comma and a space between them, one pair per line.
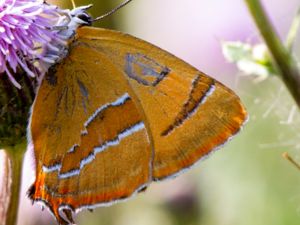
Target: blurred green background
245, 183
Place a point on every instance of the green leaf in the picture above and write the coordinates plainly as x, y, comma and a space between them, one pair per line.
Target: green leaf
251, 60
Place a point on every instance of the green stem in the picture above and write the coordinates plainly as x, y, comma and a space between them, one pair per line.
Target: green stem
15, 156
284, 61
5, 179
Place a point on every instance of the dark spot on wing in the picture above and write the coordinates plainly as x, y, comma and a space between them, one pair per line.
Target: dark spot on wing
50, 76
197, 96
82, 88
85, 94
145, 70
31, 192
143, 189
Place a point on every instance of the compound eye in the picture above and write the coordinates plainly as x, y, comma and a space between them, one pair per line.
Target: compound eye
85, 17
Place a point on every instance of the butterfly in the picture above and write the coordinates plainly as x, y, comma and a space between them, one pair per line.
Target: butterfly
118, 113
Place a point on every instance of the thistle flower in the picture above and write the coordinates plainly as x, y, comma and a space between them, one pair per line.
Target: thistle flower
28, 40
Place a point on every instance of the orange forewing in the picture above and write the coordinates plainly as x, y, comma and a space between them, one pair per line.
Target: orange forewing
118, 113
188, 114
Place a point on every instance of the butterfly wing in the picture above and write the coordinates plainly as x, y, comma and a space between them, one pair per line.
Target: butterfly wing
119, 112
84, 113
188, 114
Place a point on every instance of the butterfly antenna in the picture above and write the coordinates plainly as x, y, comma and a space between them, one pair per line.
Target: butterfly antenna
112, 11
73, 4
290, 159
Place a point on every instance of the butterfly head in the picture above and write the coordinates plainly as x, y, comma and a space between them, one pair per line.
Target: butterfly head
70, 21
80, 16
74, 19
